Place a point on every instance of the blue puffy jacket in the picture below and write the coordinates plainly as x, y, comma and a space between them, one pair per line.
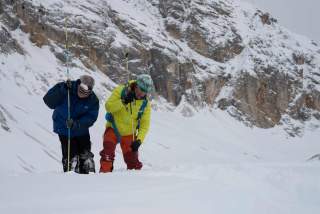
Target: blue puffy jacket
83, 111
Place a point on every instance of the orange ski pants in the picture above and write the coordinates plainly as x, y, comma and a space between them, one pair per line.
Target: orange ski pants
108, 153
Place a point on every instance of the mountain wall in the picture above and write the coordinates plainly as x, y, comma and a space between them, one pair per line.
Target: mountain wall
209, 53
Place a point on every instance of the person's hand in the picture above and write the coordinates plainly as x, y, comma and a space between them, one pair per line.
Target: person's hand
129, 97
135, 145
69, 84
69, 123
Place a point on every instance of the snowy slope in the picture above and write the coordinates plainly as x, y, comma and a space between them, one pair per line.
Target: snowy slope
208, 163
203, 189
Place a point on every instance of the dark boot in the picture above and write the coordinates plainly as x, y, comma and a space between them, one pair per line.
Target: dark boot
86, 163
73, 164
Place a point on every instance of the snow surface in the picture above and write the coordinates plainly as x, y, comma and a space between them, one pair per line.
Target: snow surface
208, 163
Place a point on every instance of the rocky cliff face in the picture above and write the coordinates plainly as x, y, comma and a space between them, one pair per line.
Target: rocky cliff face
212, 53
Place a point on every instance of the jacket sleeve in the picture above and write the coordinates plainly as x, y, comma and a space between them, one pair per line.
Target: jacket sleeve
144, 123
114, 103
55, 95
88, 119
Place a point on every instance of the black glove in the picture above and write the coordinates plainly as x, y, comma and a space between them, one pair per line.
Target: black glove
135, 145
69, 123
129, 97
69, 84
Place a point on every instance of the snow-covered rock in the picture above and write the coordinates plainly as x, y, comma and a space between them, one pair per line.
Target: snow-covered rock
212, 53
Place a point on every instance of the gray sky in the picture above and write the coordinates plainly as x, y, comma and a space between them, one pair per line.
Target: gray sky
300, 16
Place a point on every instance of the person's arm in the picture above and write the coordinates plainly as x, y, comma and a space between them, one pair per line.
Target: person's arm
55, 95
114, 103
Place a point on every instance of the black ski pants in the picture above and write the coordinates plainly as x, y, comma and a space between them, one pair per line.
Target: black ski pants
80, 152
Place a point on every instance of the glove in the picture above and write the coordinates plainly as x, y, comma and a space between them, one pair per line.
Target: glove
129, 97
135, 145
69, 84
69, 123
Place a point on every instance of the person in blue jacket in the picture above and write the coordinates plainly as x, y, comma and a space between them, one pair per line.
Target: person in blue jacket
84, 109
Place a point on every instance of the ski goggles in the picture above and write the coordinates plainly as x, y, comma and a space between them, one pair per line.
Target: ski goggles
84, 89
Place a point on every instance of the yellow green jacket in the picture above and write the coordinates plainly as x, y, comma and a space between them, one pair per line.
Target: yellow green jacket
122, 114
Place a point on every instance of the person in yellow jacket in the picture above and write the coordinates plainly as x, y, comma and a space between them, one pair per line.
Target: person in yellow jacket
128, 121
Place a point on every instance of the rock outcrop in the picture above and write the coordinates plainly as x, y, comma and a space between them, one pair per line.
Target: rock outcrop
212, 53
